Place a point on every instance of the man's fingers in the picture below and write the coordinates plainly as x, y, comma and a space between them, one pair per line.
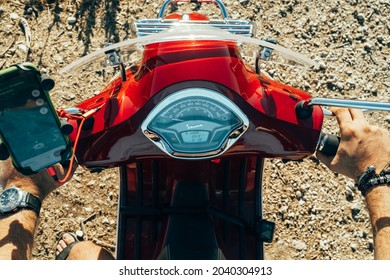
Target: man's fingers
357, 114
343, 116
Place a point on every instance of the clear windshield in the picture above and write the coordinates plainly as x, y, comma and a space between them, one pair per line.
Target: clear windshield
98, 59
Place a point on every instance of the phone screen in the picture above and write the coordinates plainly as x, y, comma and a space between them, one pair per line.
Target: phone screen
28, 125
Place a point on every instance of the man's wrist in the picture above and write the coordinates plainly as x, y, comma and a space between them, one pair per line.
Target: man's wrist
27, 185
370, 179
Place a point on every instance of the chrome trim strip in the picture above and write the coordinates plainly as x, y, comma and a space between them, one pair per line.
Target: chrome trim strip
145, 27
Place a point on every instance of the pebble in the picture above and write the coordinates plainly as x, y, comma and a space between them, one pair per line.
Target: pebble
348, 192
69, 97
72, 20
324, 245
356, 208
352, 82
283, 209
353, 247
360, 17
351, 185
299, 245
298, 194
91, 183
14, 16
111, 195
79, 234
304, 187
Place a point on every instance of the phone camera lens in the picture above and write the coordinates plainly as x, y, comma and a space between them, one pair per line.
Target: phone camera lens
35, 93
40, 102
43, 110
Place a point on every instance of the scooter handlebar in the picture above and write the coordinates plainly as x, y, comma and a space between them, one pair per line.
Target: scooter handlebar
328, 144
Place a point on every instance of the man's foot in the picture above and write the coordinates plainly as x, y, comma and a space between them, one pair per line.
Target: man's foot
65, 245
71, 248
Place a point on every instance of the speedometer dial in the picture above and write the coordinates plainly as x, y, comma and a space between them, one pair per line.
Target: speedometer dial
195, 122
195, 109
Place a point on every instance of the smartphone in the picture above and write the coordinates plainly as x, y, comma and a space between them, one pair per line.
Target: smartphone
29, 126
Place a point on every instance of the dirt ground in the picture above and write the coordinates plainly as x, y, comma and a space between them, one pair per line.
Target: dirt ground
319, 214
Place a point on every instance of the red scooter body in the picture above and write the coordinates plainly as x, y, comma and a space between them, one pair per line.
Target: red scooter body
275, 130
196, 208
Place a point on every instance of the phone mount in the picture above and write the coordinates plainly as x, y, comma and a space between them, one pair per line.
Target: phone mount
4, 154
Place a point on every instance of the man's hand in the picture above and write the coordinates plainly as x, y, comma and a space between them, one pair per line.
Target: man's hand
361, 145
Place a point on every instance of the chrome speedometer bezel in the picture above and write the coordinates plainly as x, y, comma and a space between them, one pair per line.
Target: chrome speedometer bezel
197, 92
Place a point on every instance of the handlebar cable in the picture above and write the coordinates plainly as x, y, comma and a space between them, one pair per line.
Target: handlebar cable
83, 118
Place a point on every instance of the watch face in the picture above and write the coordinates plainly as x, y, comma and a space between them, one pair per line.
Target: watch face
10, 199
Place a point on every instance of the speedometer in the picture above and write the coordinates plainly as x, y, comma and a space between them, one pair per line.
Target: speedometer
195, 122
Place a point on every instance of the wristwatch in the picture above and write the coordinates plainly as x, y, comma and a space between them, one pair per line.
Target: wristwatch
13, 199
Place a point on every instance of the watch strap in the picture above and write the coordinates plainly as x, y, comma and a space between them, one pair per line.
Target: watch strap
33, 203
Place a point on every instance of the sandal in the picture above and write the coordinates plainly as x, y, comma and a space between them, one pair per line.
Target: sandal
63, 255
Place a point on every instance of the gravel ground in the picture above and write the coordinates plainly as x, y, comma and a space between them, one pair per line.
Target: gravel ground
319, 214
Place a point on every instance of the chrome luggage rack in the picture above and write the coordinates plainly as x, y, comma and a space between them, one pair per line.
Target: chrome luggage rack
145, 27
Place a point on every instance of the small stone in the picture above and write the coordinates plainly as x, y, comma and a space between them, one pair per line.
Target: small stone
368, 47
105, 220
352, 82
283, 209
335, 9
111, 195
356, 208
387, 119
72, 20
91, 183
298, 194
14, 16
304, 187
353, 247
360, 17
351, 185
69, 97
23, 48
88, 209
79, 234
299, 245
283, 12
324, 246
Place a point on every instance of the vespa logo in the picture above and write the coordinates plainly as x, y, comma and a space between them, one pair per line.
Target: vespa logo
192, 126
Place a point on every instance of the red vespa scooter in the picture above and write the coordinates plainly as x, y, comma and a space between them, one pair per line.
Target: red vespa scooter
189, 126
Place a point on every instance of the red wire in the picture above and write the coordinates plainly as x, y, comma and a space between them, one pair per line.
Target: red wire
62, 181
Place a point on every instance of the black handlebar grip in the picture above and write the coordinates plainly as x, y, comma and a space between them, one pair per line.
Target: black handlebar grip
328, 144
